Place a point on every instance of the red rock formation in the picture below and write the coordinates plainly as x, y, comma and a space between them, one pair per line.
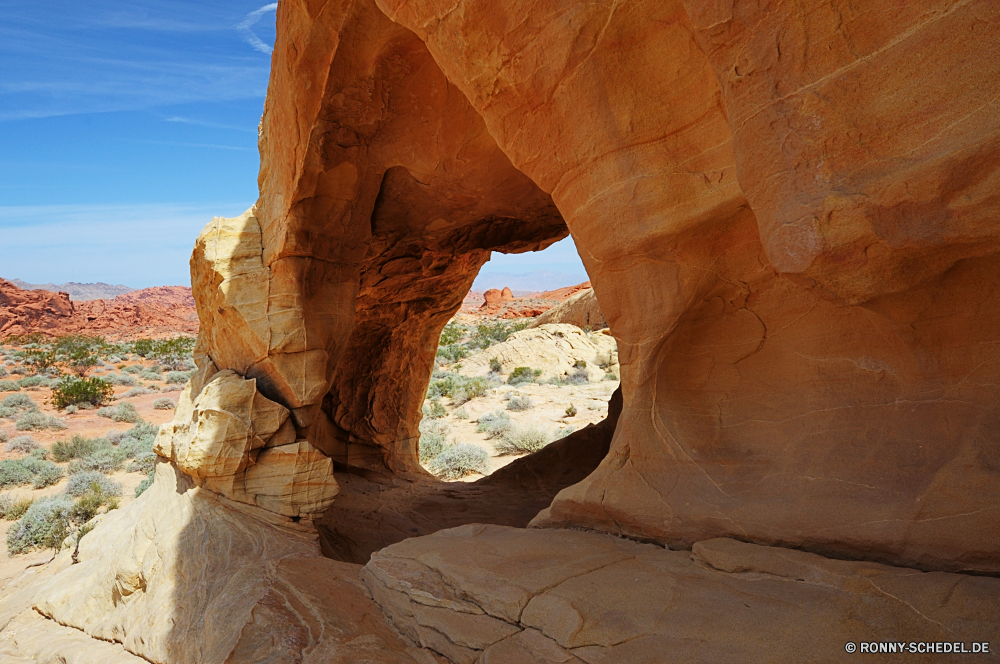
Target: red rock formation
152, 312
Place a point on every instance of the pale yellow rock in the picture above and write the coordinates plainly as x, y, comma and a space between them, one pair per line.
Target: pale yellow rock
580, 309
217, 436
568, 596
292, 480
554, 348
180, 576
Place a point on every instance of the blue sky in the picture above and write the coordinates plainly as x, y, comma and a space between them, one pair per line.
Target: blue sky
126, 125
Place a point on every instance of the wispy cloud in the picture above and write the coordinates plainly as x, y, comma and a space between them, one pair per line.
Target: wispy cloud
211, 146
249, 21
212, 125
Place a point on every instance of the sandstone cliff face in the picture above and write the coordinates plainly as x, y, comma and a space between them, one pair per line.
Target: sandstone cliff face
786, 212
797, 265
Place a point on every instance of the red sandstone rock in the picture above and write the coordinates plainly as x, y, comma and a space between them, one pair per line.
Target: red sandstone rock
151, 312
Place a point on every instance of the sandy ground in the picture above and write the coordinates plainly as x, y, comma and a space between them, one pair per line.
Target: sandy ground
85, 423
548, 412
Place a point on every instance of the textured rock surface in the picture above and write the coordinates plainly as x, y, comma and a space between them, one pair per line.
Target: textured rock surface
181, 575
554, 349
152, 312
580, 309
495, 594
239, 443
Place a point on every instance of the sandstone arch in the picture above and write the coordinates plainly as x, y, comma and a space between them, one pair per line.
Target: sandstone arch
786, 214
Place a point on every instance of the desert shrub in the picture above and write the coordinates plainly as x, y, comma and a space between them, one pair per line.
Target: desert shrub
87, 505
145, 484
523, 375
41, 358
138, 439
13, 508
461, 414
578, 376
149, 375
137, 392
469, 389
84, 482
488, 334
133, 369
565, 431
519, 403
71, 409
495, 365
121, 412
433, 439
452, 353
611, 375
34, 420
3, 372
19, 371
4, 437
434, 410
522, 440
451, 334
44, 525
163, 403
120, 379
19, 402
22, 444
76, 448
78, 391
9, 386
494, 424
9, 413
29, 470
31, 381
456, 461
103, 459
177, 377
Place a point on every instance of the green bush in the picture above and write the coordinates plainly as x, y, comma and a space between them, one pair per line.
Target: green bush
562, 433
177, 377
435, 410
451, 334
611, 375
4, 437
571, 411
34, 420
519, 403
522, 440
433, 439
523, 375
163, 403
85, 482
44, 525
150, 375
133, 369
77, 391
120, 379
76, 448
457, 461
18, 402
31, 381
136, 392
104, 459
488, 334
121, 412
495, 365
469, 390
40, 358
29, 470
461, 414
452, 353
494, 424
9, 386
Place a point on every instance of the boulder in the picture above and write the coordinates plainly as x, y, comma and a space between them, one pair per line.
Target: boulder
494, 594
580, 309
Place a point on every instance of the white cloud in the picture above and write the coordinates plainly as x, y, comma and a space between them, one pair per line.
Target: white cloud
249, 21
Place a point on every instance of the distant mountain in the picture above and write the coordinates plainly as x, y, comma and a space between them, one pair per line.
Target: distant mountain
527, 282
78, 292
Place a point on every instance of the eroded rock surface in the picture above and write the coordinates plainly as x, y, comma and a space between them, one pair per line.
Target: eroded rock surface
495, 594
580, 309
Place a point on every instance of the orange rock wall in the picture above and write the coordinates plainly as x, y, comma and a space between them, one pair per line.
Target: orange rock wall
786, 213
